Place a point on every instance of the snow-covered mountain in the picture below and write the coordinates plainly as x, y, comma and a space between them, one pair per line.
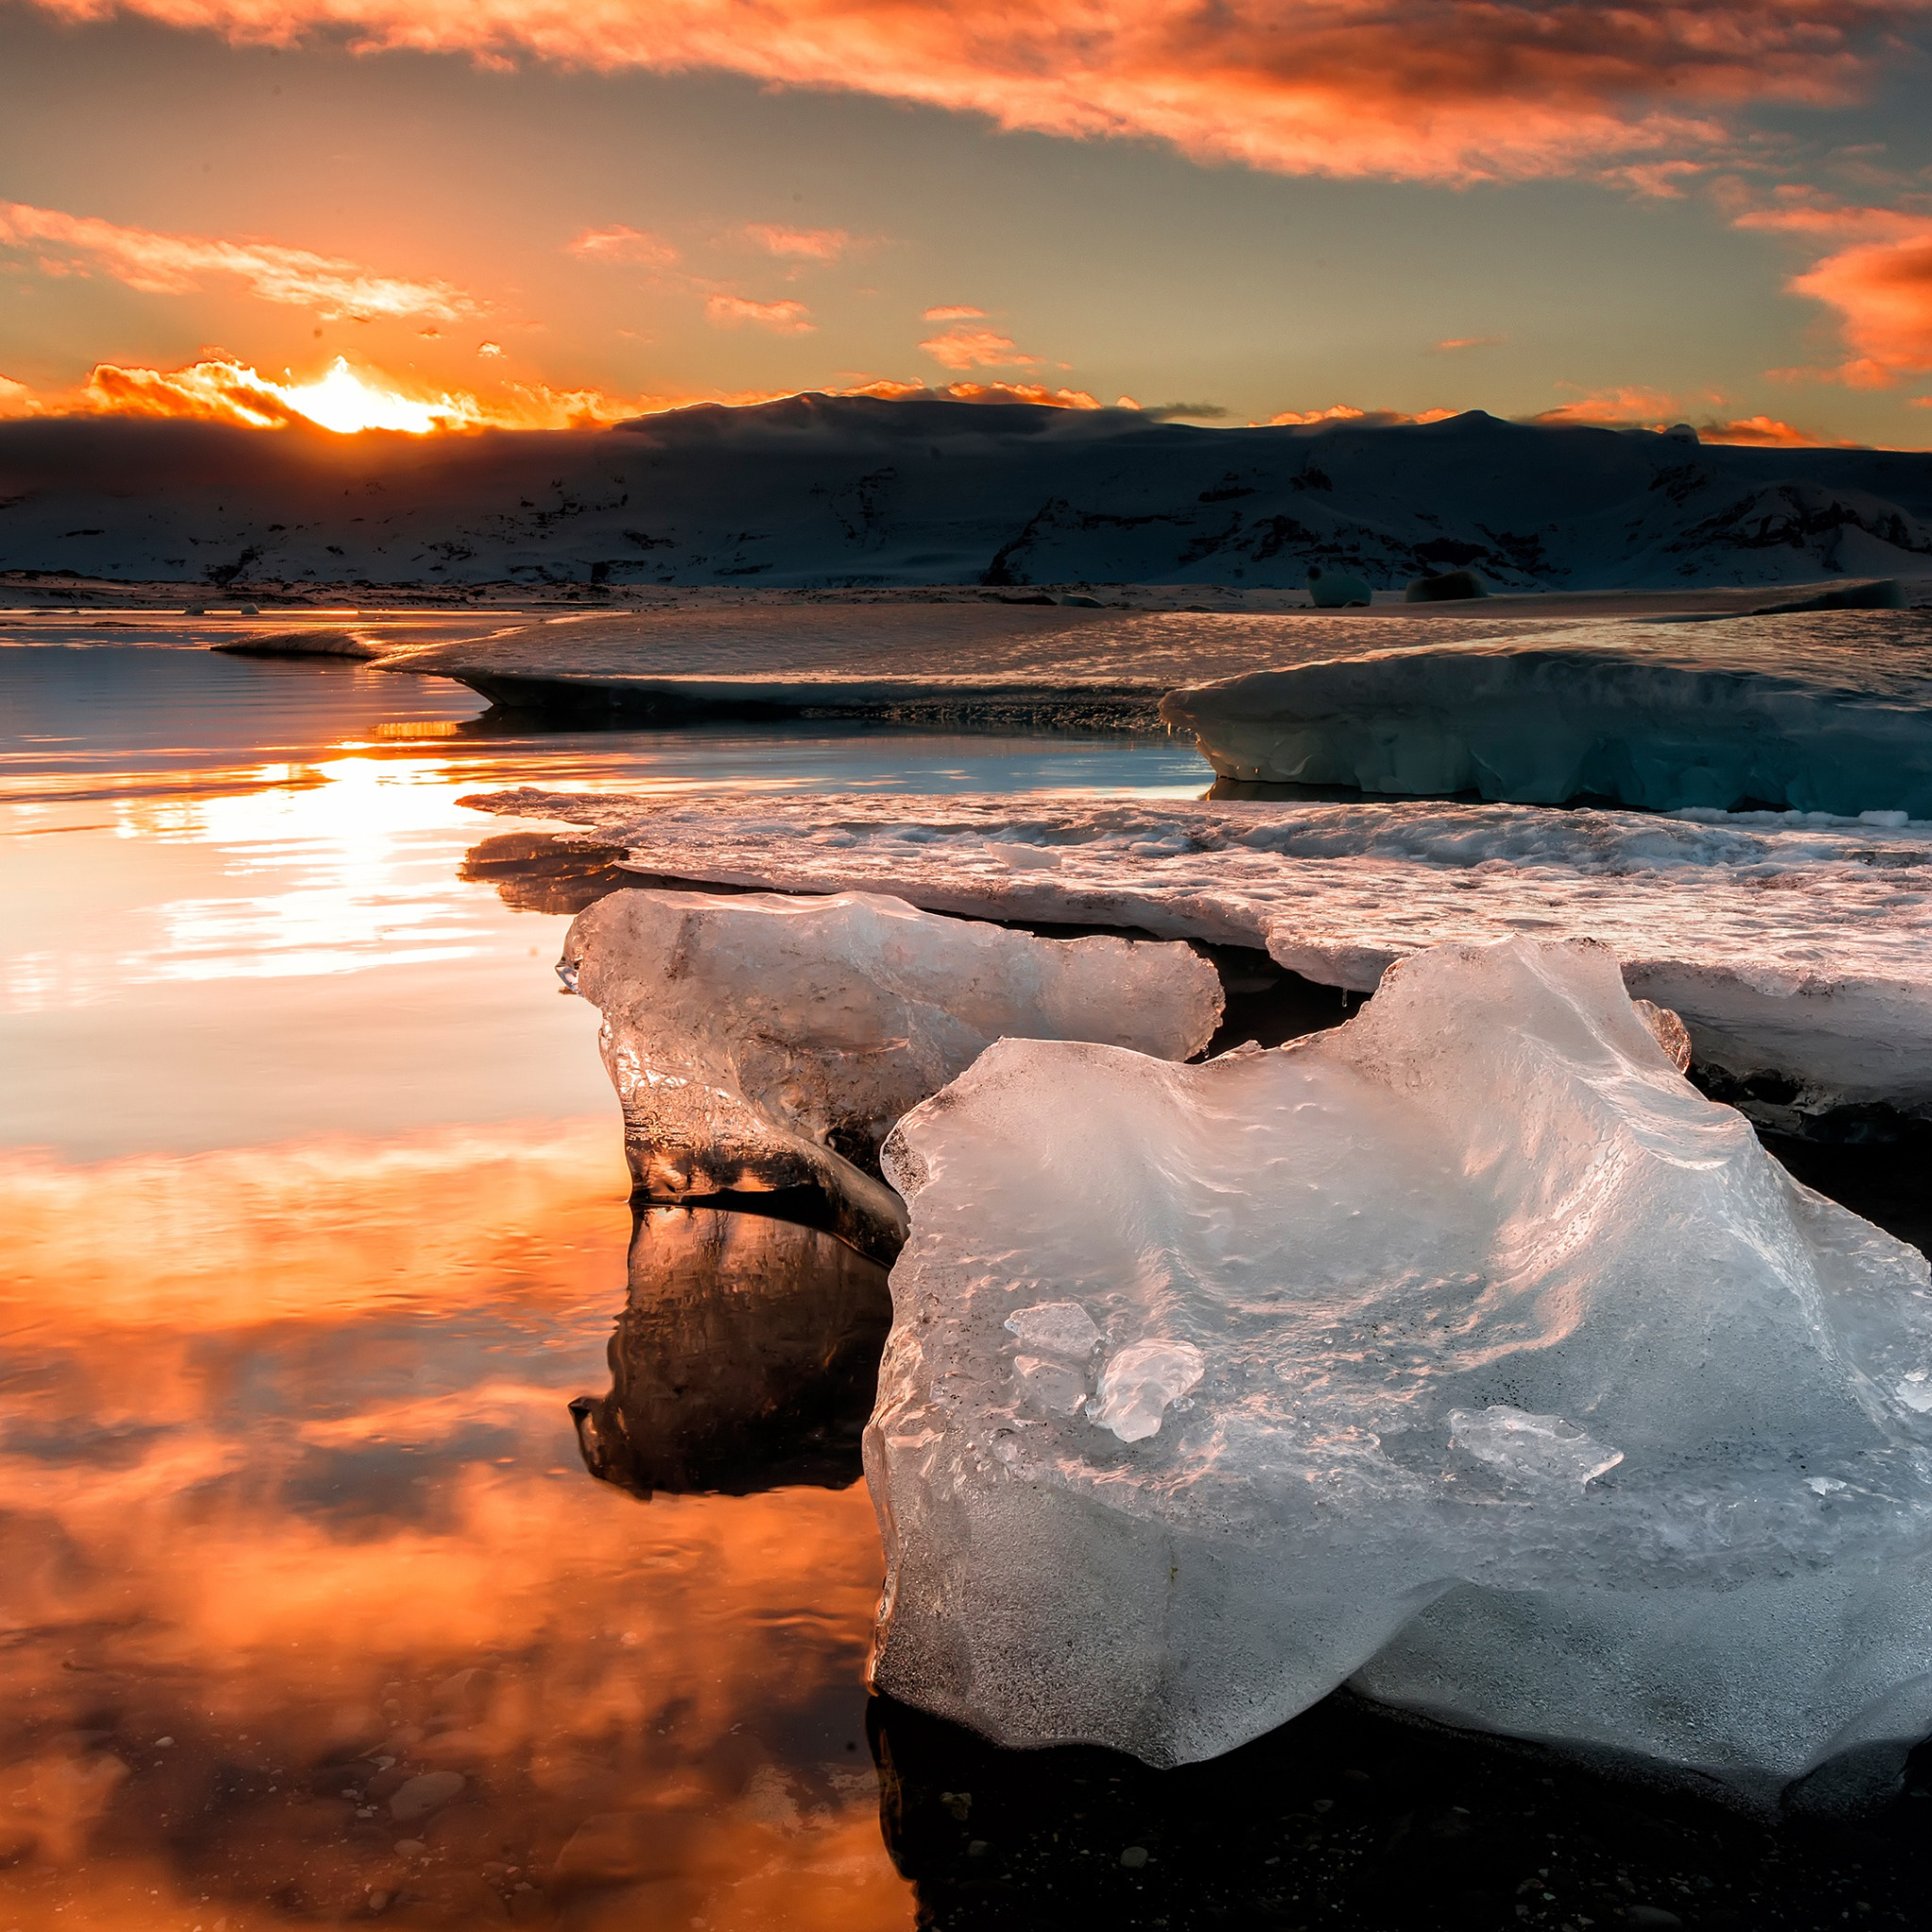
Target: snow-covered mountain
820, 491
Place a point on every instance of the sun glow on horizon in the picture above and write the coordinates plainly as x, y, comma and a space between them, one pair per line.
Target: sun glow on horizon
341, 400
345, 403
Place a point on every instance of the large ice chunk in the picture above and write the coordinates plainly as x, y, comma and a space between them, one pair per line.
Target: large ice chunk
1722, 715
1464, 1353
760, 1042
1797, 950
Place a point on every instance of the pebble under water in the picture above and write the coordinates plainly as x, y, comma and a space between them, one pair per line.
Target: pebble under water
400, 1526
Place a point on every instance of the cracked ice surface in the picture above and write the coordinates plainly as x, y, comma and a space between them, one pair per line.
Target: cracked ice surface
1791, 944
760, 1042
1813, 714
1464, 1353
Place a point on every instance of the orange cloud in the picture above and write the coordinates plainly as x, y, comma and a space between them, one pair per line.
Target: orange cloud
1880, 282
956, 314
1450, 344
204, 392
159, 264
1021, 392
1628, 408
1635, 408
977, 348
1767, 432
802, 244
1458, 91
623, 244
890, 390
1338, 412
16, 399
782, 318
1882, 291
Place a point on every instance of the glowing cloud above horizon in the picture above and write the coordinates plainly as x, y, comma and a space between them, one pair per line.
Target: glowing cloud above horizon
340, 400
798, 244
1450, 90
161, 264
345, 401
781, 318
1882, 290
965, 347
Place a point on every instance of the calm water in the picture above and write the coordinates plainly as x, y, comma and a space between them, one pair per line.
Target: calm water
315, 1201
312, 1609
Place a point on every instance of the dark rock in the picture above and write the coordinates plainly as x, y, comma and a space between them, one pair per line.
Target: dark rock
298, 644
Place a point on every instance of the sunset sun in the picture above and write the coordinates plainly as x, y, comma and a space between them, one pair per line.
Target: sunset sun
346, 402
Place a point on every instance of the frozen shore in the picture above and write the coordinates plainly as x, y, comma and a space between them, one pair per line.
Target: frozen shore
1795, 949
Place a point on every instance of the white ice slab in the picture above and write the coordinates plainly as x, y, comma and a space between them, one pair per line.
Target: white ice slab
1795, 948
1463, 1352
758, 1043
1814, 713
922, 659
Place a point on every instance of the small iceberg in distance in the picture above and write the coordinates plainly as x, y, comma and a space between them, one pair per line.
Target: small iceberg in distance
1336, 589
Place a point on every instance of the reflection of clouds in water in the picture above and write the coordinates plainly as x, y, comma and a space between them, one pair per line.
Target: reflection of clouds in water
287, 1476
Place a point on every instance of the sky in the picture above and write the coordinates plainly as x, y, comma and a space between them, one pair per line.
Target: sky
524, 211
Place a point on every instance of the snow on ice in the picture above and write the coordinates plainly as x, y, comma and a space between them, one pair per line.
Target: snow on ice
1818, 714
1464, 1353
1793, 947
760, 1042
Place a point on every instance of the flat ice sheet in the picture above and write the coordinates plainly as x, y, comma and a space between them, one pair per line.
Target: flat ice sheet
1796, 947
873, 657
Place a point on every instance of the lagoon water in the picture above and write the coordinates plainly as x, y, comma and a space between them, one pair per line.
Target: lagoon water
311, 1610
316, 1216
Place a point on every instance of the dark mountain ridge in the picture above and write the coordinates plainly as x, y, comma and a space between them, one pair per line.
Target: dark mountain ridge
820, 491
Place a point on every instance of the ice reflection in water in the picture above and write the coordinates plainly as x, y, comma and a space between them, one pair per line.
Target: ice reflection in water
746, 1357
